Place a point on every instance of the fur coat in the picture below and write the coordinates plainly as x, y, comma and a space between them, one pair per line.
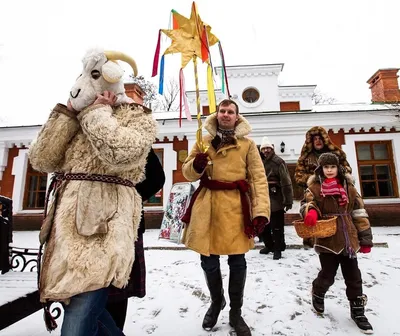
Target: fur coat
100, 140
307, 161
354, 224
216, 225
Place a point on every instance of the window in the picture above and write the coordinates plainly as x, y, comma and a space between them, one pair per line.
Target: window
206, 110
35, 189
376, 169
250, 95
157, 199
290, 106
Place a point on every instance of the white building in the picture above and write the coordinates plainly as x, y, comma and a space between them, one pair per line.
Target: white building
368, 133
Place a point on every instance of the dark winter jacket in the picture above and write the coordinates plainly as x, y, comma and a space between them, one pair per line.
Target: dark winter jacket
352, 224
153, 182
307, 161
279, 183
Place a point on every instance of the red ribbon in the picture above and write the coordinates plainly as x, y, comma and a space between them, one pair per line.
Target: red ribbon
156, 56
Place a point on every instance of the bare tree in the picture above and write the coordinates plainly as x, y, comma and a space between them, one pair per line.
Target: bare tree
319, 97
169, 100
150, 90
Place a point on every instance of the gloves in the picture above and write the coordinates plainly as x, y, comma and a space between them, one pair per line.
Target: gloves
365, 249
259, 224
200, 162
257, 227
287, 207
311, 218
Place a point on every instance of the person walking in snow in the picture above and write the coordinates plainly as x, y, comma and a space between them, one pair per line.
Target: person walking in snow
317, 142
281, 198
331, 192
230, 207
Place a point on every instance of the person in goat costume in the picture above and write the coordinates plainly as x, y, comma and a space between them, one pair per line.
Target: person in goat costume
97, 147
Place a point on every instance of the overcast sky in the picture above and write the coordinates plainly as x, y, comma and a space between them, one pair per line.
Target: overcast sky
337, 44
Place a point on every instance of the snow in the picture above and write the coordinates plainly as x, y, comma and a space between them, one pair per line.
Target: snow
277, 295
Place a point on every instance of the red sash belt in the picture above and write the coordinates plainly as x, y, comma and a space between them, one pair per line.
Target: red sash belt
240, 185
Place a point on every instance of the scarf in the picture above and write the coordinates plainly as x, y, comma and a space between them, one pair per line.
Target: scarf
332, 187
224, 137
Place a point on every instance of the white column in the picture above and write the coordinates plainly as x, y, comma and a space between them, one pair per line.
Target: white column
3, 157
169, 166
20, 167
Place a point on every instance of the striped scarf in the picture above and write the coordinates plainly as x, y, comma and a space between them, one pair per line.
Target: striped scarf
332, 187
223, 138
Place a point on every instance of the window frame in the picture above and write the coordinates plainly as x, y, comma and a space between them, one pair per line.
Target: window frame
29, 173
251, 89
372, 162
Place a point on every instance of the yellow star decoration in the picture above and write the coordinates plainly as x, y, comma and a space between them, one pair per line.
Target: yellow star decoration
187, 39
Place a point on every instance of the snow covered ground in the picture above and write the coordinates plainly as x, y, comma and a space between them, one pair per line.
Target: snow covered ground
277, 296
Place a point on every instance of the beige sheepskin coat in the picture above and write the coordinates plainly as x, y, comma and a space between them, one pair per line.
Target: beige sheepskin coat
216, 225
101, 140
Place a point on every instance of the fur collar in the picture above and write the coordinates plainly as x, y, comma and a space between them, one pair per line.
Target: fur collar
242, 128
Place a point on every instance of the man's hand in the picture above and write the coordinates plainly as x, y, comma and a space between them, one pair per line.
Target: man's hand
287, 207
256, 228
200, 162
107, 98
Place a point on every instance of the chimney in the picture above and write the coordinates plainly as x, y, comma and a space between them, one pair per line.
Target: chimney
384, 86
134, 91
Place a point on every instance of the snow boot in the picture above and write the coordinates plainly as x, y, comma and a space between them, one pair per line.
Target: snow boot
214, 284
318, 302
237, 280
265, 250
277, 255
358, 316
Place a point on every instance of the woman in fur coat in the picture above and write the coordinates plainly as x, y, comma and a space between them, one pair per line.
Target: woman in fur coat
331, 192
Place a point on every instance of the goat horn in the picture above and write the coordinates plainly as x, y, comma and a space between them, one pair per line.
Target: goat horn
116, 55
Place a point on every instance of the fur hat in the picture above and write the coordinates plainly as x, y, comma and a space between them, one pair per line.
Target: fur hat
328, 159
266, 143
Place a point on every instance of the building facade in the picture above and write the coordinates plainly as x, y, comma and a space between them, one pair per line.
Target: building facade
368, 133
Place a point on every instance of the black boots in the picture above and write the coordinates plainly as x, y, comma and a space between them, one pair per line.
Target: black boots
318, 302
265, 250
357, 314
237, 280
277, 255
214, 283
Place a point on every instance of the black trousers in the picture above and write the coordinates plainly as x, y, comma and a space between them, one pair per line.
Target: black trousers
329, 266
274, 233
118, 311
211, 264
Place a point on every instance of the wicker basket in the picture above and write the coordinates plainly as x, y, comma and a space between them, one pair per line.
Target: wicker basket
325, 227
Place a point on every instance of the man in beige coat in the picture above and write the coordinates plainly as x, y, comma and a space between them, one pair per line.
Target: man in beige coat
230, 207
